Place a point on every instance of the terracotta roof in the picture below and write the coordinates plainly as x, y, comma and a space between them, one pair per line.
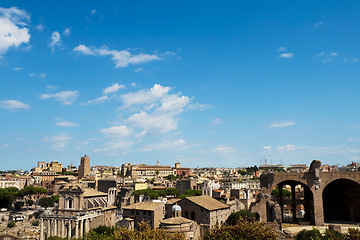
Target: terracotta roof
173, 200
90, 192
208, 202
175, 220
149, 206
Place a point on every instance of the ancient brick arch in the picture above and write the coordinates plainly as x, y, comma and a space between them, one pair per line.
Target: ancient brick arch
341, 201
315, 183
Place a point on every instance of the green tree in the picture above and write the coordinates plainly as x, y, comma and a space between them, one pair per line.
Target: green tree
46, 202
6, 198
18, 205
11, 224
242, 214
244, 229
285, 193
30, 202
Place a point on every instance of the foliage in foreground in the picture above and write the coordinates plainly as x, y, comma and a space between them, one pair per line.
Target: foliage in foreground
353, 234
144, 233
244, 214
244, 229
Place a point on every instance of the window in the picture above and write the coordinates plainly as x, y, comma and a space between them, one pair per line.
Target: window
192, 215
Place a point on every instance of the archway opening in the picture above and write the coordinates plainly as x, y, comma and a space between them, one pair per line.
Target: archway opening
341, 201
296, 201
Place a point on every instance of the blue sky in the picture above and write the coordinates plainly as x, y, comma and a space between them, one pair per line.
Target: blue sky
206, 83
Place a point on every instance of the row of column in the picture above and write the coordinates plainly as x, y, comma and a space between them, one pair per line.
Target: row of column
50, 227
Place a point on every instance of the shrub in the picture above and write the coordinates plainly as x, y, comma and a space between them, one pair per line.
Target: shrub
11, 224
244, 214
353, 234
18, 205
35, 223
243, 229
309, 234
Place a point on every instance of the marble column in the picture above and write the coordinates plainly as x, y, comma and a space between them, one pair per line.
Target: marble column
81, 227
48, 228
55, 227
76, 229
42, 229
69, 230
63, 233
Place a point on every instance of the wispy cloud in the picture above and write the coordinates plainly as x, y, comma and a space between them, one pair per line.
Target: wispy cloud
178, 144
224, 149
40, 75
267, 147
93, 12
216, 121
55, 40
113, 89
318, 24
65, 97
66, 124
67, 31
117, 131
40, 27
58, 142
98, 100
13, 32
122, 58
13, 105
287, 55
17, 68
282, 124
281, 49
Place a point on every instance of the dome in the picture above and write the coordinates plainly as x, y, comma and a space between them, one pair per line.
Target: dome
176, 208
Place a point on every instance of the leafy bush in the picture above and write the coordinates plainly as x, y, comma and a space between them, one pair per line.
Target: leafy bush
11, 224
46, 202
244, 229
35, 223
242, 214
353, 234
18, 205
30, 202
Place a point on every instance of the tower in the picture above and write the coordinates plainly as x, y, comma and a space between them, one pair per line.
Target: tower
84, 168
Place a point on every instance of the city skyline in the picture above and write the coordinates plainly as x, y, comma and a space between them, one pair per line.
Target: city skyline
201, 83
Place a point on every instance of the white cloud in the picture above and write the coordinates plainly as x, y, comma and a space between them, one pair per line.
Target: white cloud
92, 12
13, 105
40, 75
59, 141
17, 68
67, 32
11, 35
98, 100
117, 131
66, 124
121, 58
113, 89
224, 149
133, 84
318, 24
287, 147
267, 147
159, 109
148, 96
178, 144
320, 54
282, 124
287, 55
216, 121
138, 69
55, 40
114, 147
84, 50
4, 146
65, 97
281, 49
16, 15
40, 27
